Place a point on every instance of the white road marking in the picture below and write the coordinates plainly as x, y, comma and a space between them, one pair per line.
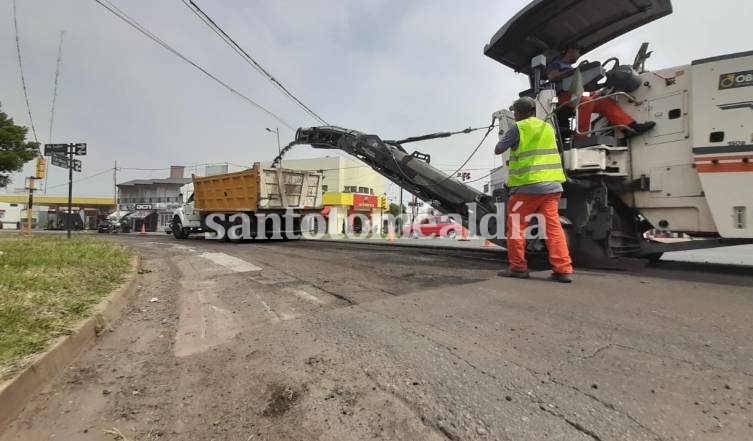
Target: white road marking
230, 262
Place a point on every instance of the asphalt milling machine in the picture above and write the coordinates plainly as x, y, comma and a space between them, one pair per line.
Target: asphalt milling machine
692, 174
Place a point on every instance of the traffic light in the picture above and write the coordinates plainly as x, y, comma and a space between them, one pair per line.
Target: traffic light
41, 168
385, 203
464, 176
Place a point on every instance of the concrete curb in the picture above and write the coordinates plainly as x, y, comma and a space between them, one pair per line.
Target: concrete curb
16, 392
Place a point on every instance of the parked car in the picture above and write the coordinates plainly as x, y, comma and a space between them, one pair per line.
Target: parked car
103, 227
111, 226
434, 226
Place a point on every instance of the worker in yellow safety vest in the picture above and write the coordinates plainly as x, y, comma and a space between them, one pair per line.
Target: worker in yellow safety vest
535, 187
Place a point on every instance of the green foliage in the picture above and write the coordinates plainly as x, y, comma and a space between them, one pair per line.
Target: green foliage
14, 150
395, 210
47, 283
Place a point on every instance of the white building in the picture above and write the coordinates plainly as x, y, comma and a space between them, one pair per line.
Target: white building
10, 216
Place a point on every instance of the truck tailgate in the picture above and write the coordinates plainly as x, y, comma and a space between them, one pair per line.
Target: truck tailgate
281, 188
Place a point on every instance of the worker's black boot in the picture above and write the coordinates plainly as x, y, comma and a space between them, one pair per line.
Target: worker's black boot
514, 273
639, 128
562, 278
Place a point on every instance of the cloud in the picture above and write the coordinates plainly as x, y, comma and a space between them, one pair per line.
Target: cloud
392, 68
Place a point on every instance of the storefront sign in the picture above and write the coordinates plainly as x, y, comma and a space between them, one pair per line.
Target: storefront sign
143, 206
365, 201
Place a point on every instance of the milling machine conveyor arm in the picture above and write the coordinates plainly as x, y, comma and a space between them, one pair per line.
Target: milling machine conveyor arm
408, 171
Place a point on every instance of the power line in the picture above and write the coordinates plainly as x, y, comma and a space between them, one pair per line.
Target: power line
21, 69
55, 87
85, 178
55, 95
246, 57
136, 25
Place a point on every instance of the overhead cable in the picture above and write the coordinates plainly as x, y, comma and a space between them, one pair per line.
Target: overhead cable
21, 69
190, 4
136, 25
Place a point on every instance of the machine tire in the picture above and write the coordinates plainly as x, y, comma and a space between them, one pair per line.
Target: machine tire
653, 257
452, 234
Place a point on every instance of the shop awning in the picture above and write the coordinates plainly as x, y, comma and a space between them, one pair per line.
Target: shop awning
118, 214
325, 211
141, 214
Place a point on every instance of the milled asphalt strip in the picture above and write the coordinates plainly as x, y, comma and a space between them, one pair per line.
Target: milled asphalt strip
232, 263
303, 295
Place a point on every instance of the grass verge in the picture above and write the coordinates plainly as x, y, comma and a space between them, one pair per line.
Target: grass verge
47, 284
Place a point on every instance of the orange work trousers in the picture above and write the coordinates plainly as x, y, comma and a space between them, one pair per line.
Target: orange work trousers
605, 107
520, 209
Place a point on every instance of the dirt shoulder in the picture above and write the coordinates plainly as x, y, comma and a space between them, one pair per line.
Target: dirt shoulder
197, 355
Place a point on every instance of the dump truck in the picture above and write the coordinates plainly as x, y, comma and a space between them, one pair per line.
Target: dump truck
691, 174
263, 195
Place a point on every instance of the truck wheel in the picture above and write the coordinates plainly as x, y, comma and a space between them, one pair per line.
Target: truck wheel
178, 231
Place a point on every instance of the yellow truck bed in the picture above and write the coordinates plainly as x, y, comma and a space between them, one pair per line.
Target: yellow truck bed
258, 189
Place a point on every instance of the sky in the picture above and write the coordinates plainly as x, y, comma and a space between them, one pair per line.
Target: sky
391, 68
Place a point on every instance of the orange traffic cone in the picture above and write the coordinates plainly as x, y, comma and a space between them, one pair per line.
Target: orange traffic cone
488, 244
463, 234
143, 230
391, 233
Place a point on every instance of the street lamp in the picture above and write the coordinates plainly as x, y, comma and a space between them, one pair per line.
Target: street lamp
279, 150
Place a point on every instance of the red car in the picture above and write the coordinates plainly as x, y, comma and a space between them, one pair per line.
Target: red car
434, 226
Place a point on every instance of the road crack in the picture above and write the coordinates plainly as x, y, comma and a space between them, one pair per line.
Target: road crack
694, 365
608, 405
574, 424
538, 376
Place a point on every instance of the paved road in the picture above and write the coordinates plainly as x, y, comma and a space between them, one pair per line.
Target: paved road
737, 255
321, 341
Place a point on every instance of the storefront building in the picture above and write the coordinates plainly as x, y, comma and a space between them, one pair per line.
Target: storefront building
354, 212
150, 202
51, 212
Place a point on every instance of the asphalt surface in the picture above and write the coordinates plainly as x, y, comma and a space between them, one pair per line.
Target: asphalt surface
326, 340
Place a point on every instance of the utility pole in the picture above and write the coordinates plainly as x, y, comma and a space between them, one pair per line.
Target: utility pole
55, 94
70, 191
30, 205
400, 214
41, 172
115, 185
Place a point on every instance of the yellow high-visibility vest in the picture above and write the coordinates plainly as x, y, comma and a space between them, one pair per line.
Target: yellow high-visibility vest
536, 159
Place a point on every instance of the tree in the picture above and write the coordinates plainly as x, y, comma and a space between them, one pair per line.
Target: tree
14, 150
395, 210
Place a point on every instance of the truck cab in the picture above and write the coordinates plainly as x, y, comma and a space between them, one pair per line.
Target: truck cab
186, 218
